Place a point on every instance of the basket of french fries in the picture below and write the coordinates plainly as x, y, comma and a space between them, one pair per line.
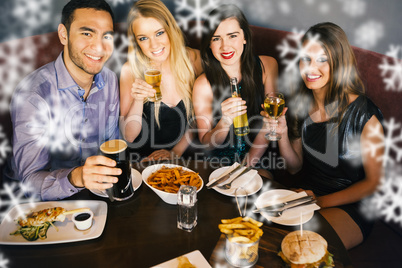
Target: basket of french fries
242, 240
166, 179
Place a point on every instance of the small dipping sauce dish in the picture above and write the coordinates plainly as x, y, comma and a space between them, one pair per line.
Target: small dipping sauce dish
83, 220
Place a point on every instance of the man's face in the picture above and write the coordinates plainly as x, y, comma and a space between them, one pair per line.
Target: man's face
90, 42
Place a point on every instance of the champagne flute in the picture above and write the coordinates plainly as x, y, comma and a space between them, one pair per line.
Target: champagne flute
274, 104
153, 76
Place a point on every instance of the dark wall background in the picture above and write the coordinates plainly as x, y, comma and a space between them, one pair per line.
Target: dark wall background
370, 24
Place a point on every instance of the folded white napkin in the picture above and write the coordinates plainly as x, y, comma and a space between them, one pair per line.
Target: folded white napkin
227, 171
296, 212
241, 181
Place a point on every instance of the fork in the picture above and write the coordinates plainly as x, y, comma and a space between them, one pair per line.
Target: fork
278, 213
228, 185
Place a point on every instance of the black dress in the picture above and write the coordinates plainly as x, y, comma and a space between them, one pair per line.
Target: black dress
332, 156
173, 124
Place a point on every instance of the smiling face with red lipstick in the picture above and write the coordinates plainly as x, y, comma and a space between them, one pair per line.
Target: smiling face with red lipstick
152, 38
314, 66
227, 43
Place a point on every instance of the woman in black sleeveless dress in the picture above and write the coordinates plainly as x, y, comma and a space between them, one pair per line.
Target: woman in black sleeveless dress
157, 130
227, 52
330, 121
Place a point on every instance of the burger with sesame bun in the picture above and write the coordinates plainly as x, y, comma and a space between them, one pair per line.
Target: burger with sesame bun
305, 249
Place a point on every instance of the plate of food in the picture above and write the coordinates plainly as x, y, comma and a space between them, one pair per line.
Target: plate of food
192, 259
50, 222
166, 179
251, 182
290, 217
136, 180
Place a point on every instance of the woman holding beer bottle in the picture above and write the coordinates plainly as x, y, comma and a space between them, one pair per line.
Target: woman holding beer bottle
156, 122
227, 55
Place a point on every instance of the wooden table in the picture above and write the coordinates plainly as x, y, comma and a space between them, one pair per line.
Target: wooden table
142, 232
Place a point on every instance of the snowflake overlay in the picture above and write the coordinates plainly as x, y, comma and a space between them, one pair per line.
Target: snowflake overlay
115, 3
387, 200
5, 147
354, 8
262, 10
56, 129
193, 10
390, 142
309, 2
3, 261
368, 34
284, 7
119, 56
394, 80
291, 50
12, 195
31, 16
224, 93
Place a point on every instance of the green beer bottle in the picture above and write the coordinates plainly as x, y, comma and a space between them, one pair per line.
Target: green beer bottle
240, 122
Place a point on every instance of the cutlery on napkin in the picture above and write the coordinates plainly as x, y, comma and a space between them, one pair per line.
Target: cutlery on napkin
221, 178
295, 211
240, 181
286, 204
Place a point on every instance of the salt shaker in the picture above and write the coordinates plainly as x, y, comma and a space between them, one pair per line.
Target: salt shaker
187, 208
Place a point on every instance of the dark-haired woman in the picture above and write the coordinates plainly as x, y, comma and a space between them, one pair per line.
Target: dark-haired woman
227, 51
333, 124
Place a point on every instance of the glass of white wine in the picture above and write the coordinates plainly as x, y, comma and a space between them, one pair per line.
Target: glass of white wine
274, 104
153, 77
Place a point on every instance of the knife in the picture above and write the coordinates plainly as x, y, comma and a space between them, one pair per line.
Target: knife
278, 213
225, 177
284, 205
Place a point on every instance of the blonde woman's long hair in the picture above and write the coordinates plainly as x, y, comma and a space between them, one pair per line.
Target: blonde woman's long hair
180, 63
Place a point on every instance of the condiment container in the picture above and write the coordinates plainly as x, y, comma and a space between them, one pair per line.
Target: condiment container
83, 220
187, 208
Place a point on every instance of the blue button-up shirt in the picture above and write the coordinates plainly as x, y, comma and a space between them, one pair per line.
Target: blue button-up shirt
55, 129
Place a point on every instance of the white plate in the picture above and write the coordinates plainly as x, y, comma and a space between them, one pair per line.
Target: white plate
252, 187
67, 231
170, 198
290, 217
136, 180
195, 257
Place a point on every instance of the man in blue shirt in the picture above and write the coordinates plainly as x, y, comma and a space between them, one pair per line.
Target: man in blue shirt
63, 112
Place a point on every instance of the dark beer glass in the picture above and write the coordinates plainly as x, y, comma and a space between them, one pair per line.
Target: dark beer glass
117, 150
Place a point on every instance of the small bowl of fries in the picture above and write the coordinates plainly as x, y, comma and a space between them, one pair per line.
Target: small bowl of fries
242, 240
166, 179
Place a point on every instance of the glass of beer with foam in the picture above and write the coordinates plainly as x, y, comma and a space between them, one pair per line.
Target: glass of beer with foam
153, 76
123, 188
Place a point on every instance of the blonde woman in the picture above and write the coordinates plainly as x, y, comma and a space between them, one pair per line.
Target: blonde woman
157, 130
